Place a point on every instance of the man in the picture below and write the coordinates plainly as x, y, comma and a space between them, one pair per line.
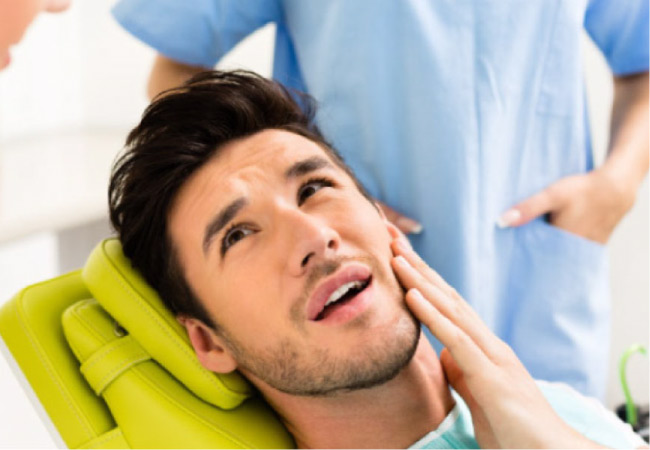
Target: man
278, 264
463, 115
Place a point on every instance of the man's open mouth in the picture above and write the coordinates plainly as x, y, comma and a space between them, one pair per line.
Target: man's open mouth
338, 291
341, 296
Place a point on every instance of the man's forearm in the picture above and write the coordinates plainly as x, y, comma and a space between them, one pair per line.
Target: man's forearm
167, 73
627, 160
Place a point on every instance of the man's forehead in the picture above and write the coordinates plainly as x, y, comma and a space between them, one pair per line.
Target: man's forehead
268, 149
263, 157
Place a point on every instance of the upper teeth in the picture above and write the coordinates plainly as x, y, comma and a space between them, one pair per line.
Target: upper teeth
342, 290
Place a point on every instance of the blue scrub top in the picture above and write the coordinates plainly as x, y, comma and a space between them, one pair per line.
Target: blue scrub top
451, 112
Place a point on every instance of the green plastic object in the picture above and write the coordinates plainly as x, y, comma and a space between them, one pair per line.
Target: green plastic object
630, 408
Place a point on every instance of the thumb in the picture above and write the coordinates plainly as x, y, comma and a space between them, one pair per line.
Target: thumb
456, 379
531, 208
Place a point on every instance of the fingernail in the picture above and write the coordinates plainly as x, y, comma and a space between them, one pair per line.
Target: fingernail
417, 294
402, 244
409, 226
508, 218
401, 261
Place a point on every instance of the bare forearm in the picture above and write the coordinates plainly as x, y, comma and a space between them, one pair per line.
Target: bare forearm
167, 73
627, 161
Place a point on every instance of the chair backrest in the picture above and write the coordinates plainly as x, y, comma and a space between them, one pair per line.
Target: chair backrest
114, 369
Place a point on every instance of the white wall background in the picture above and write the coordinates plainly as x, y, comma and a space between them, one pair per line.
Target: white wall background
80, 73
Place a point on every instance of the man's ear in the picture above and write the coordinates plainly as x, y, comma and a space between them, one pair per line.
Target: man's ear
210, 348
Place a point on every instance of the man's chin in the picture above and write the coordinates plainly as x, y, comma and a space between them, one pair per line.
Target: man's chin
319, 373
390, 355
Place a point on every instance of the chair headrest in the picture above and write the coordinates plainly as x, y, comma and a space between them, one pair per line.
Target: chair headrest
124, 293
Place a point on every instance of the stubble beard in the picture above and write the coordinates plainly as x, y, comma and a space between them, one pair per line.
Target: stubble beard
293, 369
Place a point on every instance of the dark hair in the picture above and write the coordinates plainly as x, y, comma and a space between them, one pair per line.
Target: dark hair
180, 131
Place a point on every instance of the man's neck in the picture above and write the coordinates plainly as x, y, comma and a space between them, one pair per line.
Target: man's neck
393, 415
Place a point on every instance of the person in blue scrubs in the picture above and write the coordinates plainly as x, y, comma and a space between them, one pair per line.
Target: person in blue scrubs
469, 117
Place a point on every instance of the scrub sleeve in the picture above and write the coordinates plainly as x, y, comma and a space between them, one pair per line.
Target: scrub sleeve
197, 32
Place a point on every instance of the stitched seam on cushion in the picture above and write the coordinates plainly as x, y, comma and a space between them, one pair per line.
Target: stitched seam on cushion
242, 443
72, 345
106, 351
213, 379
109, 436
60, 277
88, 428
108, 378
81, 320
100, 336
145, 307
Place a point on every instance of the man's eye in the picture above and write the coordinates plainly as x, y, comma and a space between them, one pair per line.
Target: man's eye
311, 187
235, 234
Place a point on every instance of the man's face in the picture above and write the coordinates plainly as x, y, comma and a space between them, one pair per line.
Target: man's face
268, 233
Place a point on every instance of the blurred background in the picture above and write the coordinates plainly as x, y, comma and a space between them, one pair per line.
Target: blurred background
75, 88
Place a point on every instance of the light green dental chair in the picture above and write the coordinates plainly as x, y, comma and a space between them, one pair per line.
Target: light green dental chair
114, 369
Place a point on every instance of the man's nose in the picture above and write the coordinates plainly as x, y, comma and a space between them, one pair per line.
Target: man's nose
311, 239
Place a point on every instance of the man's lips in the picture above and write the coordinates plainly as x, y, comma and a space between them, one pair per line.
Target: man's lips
350, 272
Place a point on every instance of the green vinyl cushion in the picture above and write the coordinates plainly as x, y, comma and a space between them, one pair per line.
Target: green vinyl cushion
114, 369
30, 325
150, 406
125, 295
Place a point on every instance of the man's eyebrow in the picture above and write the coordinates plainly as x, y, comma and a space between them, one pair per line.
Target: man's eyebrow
224, 216
220, 220
306, 166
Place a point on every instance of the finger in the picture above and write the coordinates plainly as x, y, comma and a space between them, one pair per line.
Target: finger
400, 247
405, 224
453, 307
531, 208
453, 373
467, 354
410, 278
397, 234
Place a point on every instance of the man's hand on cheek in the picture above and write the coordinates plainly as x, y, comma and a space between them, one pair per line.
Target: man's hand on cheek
507, 407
